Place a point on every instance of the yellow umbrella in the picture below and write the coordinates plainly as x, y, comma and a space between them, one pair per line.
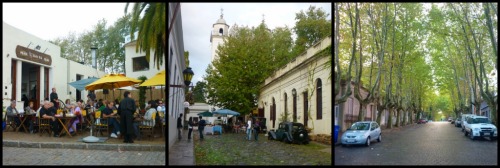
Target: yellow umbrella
112, 81
158, 79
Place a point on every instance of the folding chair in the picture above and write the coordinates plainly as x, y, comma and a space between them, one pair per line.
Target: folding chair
101, 123
44, 125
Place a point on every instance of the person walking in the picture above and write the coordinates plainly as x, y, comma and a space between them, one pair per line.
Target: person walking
256, 128
126, 110
179, 126
249, 129
201, 127
190, 126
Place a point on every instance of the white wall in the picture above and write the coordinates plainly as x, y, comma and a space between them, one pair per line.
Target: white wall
176, 65
130, 54
61, 71
294, 76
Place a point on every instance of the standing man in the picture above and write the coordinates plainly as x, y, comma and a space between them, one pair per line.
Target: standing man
179, 126
54, 98
126, 110
201, 127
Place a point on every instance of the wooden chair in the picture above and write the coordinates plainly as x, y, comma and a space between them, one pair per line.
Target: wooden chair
147, 127
101, 123
11, 123
86, 121
44, 125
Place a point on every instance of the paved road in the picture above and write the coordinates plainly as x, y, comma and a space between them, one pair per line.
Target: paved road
47, 156
435, 143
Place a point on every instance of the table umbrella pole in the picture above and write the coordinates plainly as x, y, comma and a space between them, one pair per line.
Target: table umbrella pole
91, 138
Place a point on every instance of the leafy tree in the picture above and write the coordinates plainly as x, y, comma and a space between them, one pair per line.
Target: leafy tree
311, 26
142, 92
199, 91
151, 27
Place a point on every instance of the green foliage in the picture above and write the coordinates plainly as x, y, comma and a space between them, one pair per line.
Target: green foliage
199, 91
152, 30
142, 92
311, 26
110, 55
186, 58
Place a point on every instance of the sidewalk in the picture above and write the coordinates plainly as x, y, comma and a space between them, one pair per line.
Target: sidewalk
182, 152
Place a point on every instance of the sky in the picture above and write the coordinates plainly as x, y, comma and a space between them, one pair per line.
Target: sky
198, 18
49, 21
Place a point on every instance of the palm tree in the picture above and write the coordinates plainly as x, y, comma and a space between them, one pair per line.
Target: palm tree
151, 27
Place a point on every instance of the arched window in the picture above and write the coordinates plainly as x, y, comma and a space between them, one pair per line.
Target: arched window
221, 31
319, 104
273, 109
294, 95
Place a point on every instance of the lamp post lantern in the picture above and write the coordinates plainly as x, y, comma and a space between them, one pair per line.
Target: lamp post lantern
188, 75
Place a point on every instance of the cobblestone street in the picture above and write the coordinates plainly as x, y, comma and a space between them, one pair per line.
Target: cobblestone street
45, 156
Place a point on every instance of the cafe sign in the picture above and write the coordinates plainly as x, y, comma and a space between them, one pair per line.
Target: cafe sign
32, 55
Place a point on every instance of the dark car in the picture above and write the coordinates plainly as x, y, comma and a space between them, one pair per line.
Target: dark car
422, 121
290, 132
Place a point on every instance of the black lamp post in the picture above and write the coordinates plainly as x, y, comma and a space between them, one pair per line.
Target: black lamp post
188, 75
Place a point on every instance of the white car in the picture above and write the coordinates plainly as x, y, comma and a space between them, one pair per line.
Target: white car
362, 132
480, 126
464, 120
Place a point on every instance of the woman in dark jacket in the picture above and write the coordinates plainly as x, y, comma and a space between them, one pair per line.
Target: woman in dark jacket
126, 110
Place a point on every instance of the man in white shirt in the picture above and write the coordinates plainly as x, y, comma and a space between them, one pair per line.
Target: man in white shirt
249, 129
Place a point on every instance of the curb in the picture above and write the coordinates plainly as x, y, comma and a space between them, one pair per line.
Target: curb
85, 146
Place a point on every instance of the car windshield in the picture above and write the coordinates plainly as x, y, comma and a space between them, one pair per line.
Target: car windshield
360, 126
480, 120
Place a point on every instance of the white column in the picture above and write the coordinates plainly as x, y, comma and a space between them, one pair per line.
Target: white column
19, 79
42, 83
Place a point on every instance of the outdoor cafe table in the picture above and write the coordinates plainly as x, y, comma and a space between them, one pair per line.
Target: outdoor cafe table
67, 120
23, 118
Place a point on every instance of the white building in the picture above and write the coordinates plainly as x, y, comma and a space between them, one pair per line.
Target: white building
176, 64
287, 89
135, 62
33, 66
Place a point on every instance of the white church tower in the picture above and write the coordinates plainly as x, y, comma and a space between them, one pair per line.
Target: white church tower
219, 31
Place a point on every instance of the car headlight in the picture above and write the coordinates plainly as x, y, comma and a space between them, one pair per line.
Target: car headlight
494, 129
476, 129
301, 135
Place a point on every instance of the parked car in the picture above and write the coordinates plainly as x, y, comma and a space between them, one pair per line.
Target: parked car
458, 122
480, 126
362, 132
422, 121
464, 120
450, 119
290, 132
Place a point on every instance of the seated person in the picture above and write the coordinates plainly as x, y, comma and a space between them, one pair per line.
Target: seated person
75, 110
29, 111
12, 114
148, 117
137, 121
107, 112
47, 112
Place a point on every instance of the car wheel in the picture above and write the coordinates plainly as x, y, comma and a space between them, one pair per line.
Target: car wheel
368, 141
269, 137
465, 133
471, 135
379, 138
493, 138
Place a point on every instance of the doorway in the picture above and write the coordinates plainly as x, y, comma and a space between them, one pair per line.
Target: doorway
78, 92
30, 82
